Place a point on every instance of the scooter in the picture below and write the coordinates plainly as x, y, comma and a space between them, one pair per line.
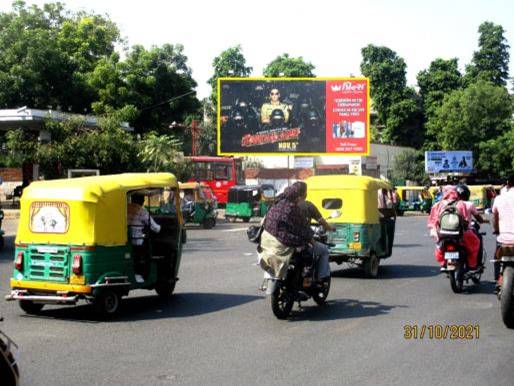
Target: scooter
456, 267
9, 353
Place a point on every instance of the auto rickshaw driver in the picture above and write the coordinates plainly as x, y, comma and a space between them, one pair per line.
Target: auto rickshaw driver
139, 219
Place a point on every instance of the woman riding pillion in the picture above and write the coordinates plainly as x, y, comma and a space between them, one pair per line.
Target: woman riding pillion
287, 230
465, 209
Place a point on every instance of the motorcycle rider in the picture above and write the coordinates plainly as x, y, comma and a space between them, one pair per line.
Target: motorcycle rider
469, 239
503, 221
470, 212
285, 230
310, 212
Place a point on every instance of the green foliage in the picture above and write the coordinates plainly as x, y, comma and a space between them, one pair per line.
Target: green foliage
386, 71
441, 78
399, 111
404, 123
491, 61
409, 165
469, 116
230, 63
75, 146
163, 154
285, 66
496, 155
47, 55
156, 82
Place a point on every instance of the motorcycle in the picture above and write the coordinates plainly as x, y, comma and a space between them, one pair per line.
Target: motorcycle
456, 267
300, 280
506, 285
9, 352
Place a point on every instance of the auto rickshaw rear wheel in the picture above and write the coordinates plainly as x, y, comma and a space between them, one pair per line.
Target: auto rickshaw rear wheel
165, 289
108, 303
371, 265
209, 223
246, 219
30, 307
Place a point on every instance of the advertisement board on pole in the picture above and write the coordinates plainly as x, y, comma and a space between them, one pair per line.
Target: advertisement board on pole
295, 116
448, 162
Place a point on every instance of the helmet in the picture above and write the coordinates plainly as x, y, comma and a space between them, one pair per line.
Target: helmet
277, 117
463, 192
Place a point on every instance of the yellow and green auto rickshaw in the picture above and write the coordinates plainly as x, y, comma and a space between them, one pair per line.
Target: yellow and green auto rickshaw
90, 238
245, 202
413, 198
364, 231
482, 195
198, 204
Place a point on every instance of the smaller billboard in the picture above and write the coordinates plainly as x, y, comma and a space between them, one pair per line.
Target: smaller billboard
459, 161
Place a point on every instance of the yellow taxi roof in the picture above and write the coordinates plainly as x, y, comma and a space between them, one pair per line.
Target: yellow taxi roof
349, 182
93, 189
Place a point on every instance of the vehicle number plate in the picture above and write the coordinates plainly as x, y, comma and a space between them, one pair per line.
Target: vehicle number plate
451, 255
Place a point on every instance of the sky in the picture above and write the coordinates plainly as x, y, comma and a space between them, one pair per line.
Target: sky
327, 33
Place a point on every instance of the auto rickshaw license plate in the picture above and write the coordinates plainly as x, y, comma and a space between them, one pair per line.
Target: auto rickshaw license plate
451, 255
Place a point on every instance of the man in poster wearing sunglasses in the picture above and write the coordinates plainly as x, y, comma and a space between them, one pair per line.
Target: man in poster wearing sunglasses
274, 104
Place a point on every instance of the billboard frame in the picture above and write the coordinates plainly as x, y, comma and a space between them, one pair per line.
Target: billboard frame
320, 79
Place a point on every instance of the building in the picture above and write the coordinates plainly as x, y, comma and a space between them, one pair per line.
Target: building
33, 121
281, 170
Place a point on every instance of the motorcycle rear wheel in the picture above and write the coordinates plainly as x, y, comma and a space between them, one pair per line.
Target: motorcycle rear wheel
281, 301
507, 296
457, 279
320, 295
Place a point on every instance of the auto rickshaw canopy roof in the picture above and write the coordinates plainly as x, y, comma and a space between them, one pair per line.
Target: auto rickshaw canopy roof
192, 185
91, 210
358, 196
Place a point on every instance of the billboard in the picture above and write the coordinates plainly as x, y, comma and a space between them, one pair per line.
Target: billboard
295, 116
448, 162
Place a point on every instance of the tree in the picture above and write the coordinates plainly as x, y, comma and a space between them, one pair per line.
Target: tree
157, 82
75, 145
409, 165
467, 117
491, 61
496, 155
404, 123
386, 71
441, 78
230, 63
163, 154
47, 54
285, 66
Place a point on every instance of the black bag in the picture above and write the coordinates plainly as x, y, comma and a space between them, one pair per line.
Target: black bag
254, 233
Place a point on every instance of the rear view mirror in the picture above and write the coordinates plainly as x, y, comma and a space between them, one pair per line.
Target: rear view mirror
335, 214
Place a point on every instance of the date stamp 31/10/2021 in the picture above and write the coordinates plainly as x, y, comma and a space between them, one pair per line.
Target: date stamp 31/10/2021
441, 331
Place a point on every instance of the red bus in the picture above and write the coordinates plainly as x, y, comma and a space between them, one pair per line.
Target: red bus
220, 173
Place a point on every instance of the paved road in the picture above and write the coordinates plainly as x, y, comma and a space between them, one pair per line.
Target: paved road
219, 329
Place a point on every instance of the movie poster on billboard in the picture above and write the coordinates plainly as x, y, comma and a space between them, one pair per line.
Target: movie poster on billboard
306, 116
